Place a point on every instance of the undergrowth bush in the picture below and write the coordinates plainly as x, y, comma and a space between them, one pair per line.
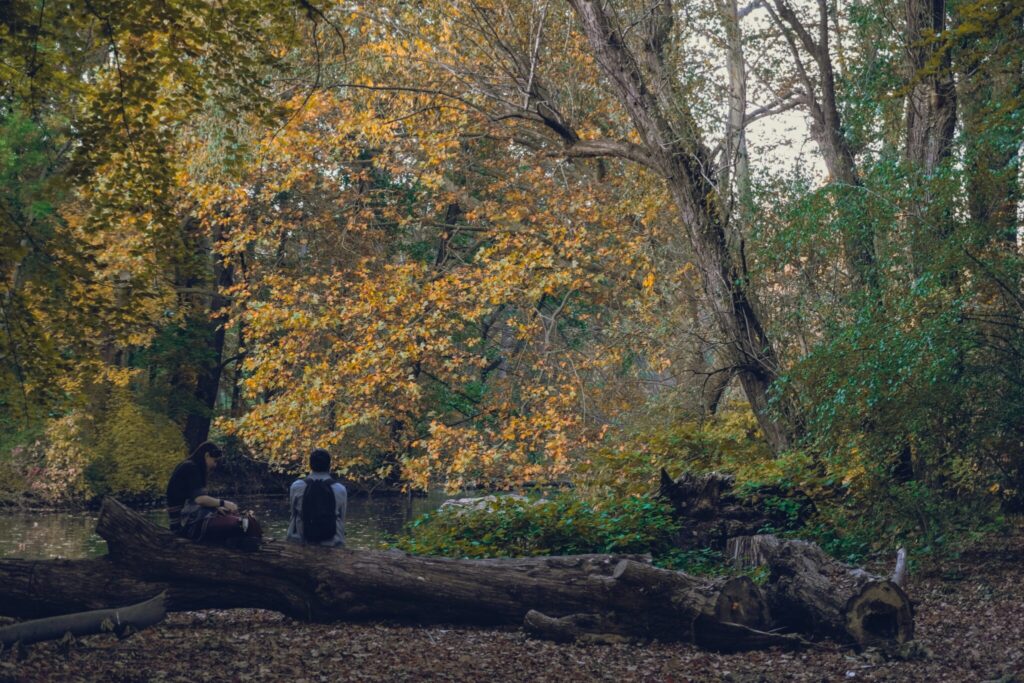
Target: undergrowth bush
136, 451
860, 507
21, 458
130, 453
563, 525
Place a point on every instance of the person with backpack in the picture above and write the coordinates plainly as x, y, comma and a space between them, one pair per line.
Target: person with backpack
318, 505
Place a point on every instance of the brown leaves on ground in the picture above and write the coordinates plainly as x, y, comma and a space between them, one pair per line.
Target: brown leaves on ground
969, 628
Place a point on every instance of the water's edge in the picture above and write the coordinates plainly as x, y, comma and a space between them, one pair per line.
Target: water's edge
372, 522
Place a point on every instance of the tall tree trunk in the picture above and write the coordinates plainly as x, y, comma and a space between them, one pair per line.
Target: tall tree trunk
735, 175
931, 101
197, 424
931, 122
992, 156
822, 106
674, 147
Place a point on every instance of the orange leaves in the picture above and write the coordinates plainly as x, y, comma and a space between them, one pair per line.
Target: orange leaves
420, 289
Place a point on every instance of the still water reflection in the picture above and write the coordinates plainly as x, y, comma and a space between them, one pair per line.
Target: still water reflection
40, 535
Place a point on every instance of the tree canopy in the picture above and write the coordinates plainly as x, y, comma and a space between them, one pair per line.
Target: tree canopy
497, 243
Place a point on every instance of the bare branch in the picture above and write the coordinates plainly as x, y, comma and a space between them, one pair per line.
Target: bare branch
789, 16
798, 61
791, 102
611, 148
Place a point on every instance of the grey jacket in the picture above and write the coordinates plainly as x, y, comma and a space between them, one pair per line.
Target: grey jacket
295, 505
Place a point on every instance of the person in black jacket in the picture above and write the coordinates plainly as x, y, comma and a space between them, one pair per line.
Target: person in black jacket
202, 518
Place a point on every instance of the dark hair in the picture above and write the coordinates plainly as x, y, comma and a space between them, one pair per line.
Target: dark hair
199, 456
320, 460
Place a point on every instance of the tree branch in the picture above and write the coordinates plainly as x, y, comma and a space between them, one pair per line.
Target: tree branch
583, 149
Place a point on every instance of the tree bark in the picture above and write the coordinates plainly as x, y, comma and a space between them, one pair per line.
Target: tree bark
930, 125
197, 424
35, 589
710, 513
812, 593
931, 101
735, 174
617, 595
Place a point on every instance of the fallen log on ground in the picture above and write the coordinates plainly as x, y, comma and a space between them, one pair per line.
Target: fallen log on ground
119, 620
601, 594
710, 512
812, 593
34, 589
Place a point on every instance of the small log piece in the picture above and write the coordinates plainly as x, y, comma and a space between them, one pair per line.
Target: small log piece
121, 621
899, 574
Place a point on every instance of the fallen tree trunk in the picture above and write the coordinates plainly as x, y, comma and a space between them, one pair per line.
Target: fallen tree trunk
121, 621
710, 512
600, 594
33, 589
810, 592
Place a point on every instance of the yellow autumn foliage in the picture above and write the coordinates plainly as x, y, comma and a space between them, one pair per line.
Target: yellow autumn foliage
130, 452
136, 452
66, 457
729, 441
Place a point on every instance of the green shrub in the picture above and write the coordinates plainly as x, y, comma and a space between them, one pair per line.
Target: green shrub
880, 518
564, 525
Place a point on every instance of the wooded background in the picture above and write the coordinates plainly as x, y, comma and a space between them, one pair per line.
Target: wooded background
491, 243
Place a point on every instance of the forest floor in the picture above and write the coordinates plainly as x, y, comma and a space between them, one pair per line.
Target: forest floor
969, 626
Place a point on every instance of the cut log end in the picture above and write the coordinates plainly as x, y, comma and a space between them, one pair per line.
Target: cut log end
880, 613
813, 593
752, 551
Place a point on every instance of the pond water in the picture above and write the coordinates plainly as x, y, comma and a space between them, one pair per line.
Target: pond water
371, 522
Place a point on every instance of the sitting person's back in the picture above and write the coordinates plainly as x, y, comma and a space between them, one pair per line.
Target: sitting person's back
318, 505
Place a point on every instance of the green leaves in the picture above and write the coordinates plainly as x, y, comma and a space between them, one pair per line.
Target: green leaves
563, 525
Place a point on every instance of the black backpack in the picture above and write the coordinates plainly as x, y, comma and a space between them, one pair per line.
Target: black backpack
319, 511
